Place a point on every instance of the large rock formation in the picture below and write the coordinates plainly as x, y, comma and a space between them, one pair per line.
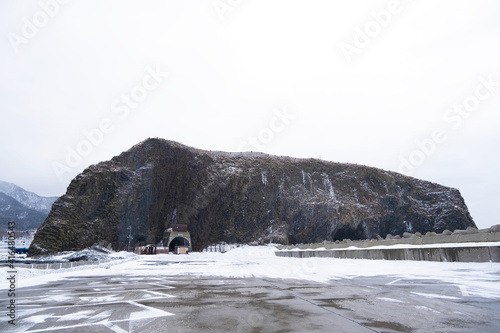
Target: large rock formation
240, 197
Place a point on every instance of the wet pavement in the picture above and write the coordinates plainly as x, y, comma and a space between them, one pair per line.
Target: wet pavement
122, 303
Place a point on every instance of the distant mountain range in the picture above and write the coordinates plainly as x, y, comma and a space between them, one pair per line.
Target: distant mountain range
28, 209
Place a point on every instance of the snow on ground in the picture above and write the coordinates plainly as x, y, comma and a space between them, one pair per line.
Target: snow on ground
473, 279
27, 277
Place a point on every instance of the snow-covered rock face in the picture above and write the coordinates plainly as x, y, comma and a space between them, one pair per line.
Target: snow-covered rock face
240, 198
90, 254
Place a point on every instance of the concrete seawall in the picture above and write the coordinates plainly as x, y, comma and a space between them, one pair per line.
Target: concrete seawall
60, 265
469, 245
460, 254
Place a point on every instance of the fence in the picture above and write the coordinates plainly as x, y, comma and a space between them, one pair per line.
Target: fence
214, 248
60, 265
220, 247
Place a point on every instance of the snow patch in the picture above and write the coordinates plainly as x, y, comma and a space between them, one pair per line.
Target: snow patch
392, 300
421, 307
329, 187
75, 316
434, 295
264, 178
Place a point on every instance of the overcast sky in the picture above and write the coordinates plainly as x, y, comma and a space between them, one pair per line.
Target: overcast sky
407, 86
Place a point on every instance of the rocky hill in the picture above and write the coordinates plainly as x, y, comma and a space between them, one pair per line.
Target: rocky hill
241, 197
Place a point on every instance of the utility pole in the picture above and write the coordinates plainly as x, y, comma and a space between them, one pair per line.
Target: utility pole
129, 229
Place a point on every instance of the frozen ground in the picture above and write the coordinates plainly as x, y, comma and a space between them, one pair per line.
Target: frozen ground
249, 289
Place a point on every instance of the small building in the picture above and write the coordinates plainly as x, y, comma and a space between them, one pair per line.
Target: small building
161, 249
181, 250
151, 249
177, 236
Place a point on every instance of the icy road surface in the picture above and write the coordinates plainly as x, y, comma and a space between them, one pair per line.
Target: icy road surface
251, 290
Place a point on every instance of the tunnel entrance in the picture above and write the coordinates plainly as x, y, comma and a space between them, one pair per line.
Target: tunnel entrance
178, 241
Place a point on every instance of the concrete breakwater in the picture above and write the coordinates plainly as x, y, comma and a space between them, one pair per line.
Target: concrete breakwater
470, 245
461, 254
60, 265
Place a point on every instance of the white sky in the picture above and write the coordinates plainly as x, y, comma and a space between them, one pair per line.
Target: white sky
231, 72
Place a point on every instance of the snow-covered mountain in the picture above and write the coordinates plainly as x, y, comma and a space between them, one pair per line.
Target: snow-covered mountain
27, 209
13, 210
28, 199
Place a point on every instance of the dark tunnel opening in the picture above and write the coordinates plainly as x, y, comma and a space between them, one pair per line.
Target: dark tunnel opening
348, 232
177, 241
